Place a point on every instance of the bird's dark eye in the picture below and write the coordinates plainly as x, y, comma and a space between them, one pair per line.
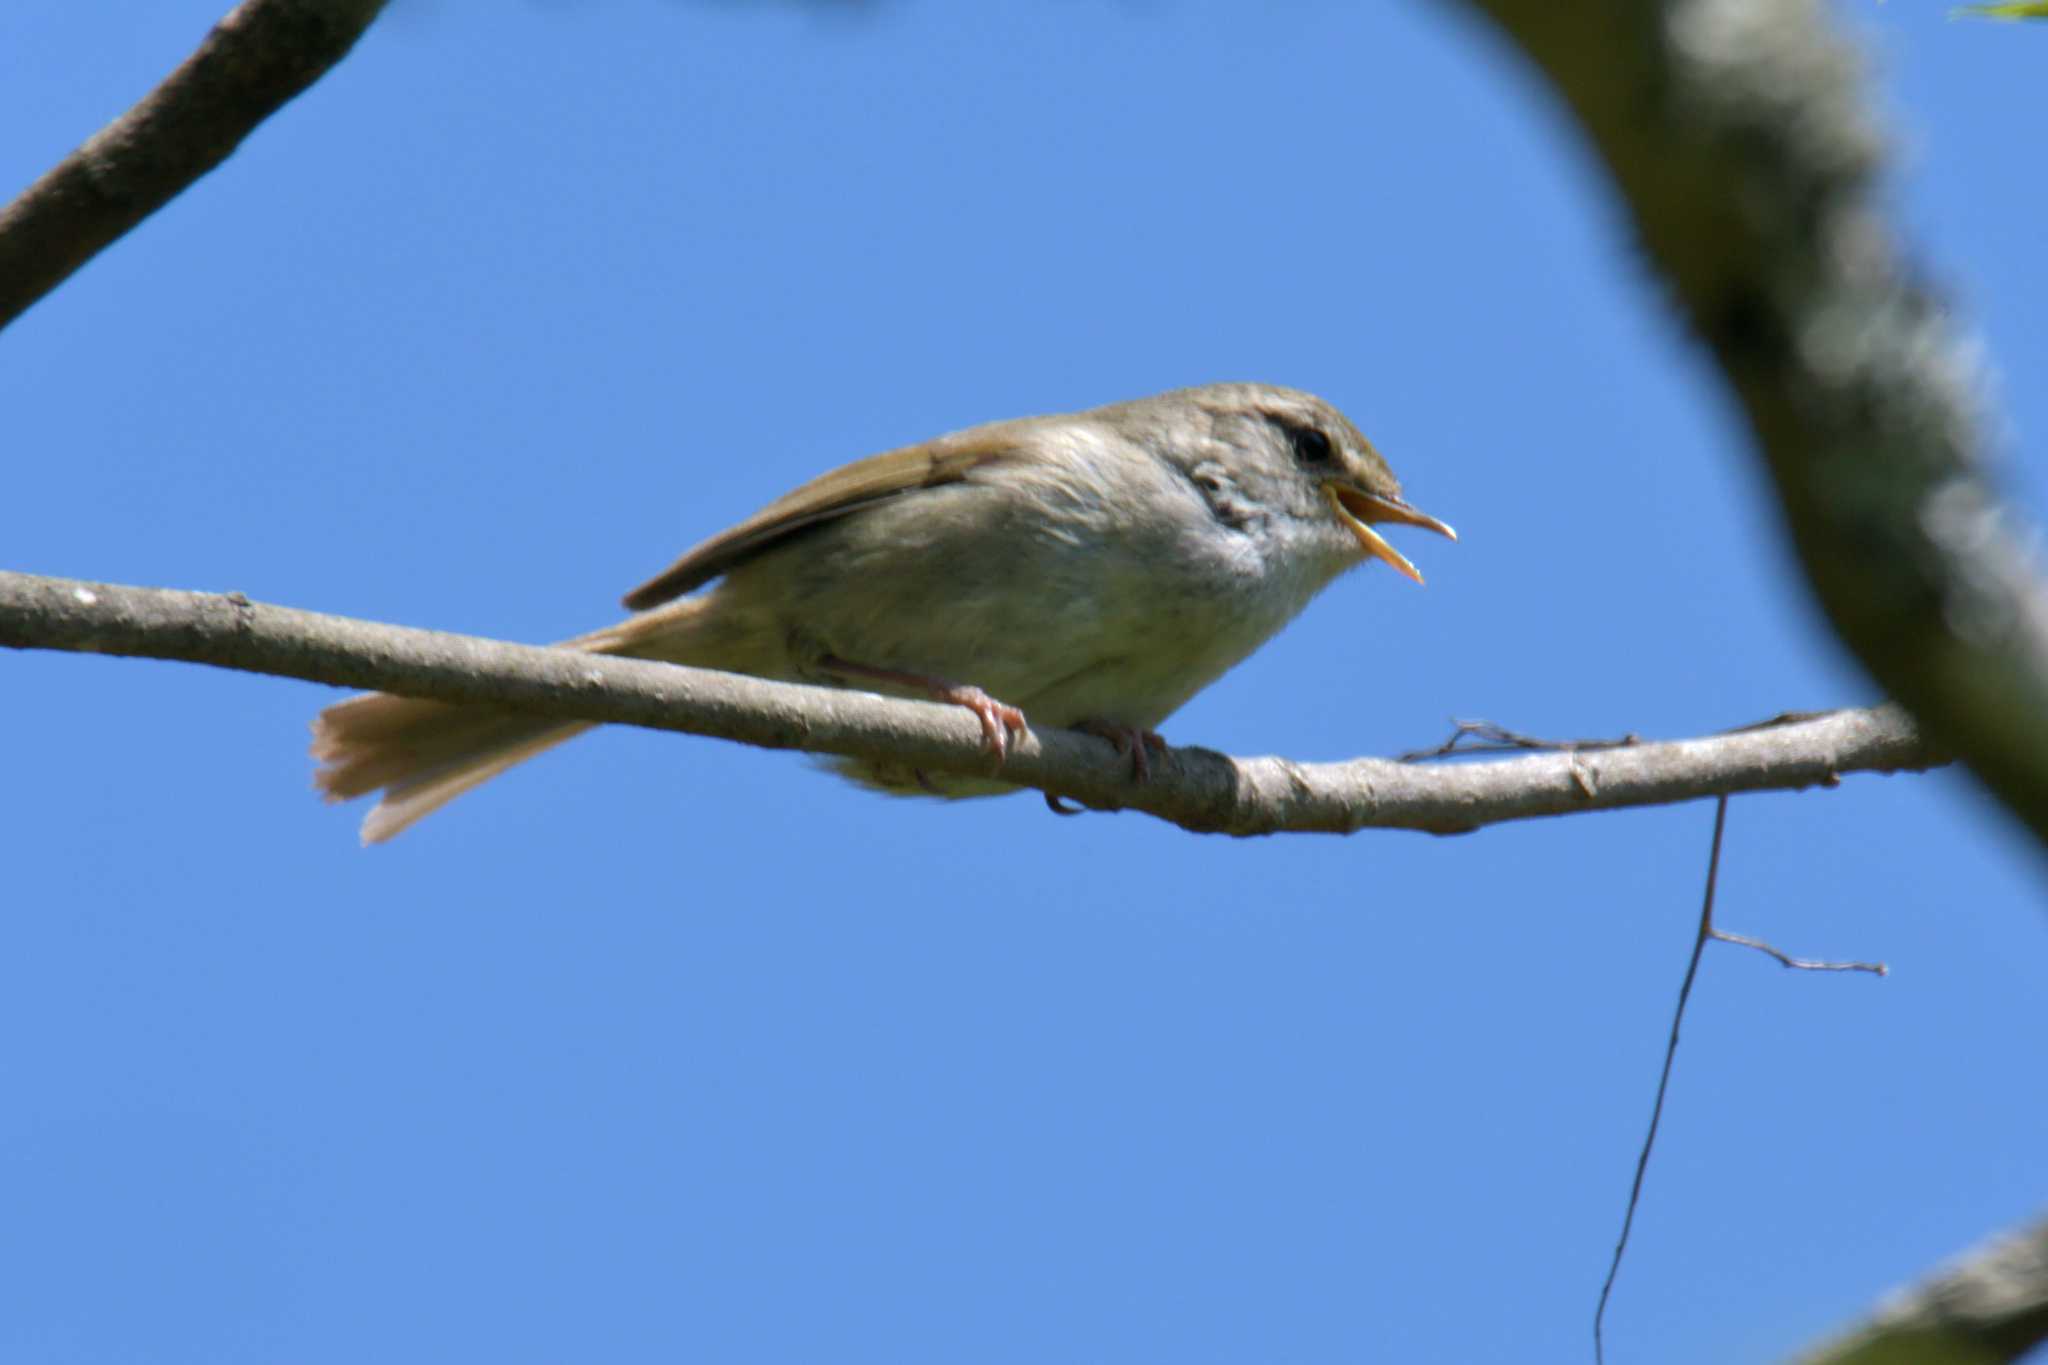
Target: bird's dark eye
1310, 445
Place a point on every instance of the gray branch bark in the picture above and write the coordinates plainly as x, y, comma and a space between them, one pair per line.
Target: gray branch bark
1194, 788
254, 61
1738, 136
1991, 1305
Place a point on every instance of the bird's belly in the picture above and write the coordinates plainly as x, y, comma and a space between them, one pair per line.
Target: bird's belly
1114, 628
1112, 646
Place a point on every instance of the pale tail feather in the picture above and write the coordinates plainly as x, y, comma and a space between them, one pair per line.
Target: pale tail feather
424, 754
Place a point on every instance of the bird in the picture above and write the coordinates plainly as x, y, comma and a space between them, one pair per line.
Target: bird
1089, 570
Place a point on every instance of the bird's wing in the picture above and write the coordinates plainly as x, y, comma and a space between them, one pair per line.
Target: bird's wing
844, 490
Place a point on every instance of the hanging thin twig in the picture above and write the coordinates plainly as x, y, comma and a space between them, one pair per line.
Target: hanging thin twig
1635, 1192
1707, 932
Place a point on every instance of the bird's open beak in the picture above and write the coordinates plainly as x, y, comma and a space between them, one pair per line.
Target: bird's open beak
1358, 510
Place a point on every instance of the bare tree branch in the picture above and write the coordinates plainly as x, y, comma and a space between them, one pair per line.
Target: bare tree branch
1736, 132
1991, 1305
1194, 788
257, 58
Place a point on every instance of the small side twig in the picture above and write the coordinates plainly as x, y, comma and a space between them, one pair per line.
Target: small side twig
1804, 964
1486, 737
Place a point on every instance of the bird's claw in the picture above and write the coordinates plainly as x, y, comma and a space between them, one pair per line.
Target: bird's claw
1129, 741
999, 722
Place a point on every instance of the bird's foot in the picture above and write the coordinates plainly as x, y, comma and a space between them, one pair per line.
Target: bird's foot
1129, 741
1000, 722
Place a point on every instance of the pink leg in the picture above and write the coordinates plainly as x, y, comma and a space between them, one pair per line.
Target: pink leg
998, 721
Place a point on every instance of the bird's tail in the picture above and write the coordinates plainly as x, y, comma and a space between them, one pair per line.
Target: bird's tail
424, 754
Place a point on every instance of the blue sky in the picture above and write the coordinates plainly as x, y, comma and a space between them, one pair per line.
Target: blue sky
665, 1049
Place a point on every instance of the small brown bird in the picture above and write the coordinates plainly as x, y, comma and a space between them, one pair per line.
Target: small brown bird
1095, 569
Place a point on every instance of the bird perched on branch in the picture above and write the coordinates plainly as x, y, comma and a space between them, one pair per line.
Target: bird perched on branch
1091, 570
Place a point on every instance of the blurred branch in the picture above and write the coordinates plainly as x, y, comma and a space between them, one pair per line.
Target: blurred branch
2024, 9
257, 58
1991, 1305
1194, 788
1736, 133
